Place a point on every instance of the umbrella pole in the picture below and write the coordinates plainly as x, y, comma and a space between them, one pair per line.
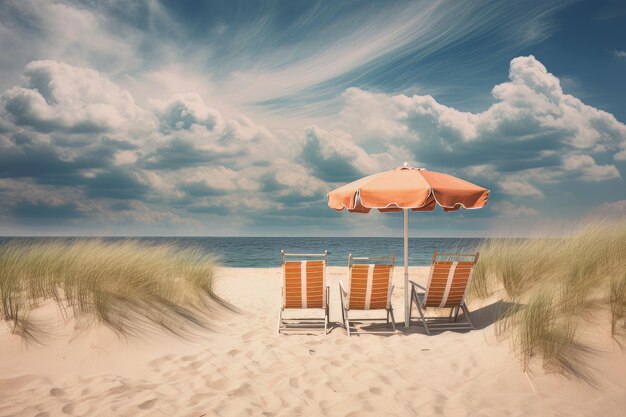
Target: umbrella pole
407, 305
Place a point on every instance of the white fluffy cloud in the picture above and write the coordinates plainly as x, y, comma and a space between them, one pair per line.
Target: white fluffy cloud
83, 146
520, 188
590, 170
58, 97
533, 134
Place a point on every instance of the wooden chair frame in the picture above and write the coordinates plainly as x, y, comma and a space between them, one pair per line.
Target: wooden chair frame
301, 324
345, 294
420, 298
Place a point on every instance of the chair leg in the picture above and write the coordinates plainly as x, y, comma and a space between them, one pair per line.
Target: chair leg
326, 322
326, 311
456, 316
344, 314
280, 320
419, 309
467, 315
451, 314
393, 320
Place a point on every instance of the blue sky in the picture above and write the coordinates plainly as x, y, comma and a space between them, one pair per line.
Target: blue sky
236, 118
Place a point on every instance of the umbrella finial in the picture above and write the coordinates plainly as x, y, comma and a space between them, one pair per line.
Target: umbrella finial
406, 164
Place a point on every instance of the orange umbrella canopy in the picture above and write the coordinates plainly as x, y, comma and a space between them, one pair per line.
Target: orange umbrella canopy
408, 188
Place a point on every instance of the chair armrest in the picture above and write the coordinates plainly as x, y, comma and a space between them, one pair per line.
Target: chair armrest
415, 284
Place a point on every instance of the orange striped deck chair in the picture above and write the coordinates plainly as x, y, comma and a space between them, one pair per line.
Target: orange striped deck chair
369, 288
304, 287
448, 282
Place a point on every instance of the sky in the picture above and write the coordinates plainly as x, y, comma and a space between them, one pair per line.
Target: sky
226, 118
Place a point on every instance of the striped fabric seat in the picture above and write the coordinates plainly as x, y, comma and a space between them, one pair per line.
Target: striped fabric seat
304, 284
369, 287
448, 282
304, 287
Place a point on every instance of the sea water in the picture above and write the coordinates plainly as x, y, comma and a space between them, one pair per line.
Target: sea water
263, 252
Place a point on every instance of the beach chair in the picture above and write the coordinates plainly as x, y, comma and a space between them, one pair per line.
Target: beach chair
304, 287
450, 276
369, 288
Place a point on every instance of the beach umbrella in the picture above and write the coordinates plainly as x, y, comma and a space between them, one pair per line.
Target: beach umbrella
403, 189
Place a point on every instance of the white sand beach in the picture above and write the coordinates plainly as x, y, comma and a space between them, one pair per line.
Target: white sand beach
244, 368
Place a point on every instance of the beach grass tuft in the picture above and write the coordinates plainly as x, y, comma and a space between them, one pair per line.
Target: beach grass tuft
127, 285
553, 286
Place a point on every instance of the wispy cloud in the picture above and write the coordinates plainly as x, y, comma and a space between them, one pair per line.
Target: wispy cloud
617, 53
275, 57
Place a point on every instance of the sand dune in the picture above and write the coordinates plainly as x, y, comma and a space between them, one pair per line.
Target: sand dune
244, 368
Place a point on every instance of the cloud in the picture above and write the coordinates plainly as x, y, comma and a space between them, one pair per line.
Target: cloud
533, 125
58, 97
334, 157
78, 143
116, 184
39, 212
184, 111
520, 189
508, 209
617, 53
610, 210
363, 47
588, 167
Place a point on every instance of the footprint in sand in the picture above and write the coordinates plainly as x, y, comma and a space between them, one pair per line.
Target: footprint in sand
309, 394
385, 380
80, 409
156, 363
249, 335
234, 352
44, 414
197, 398
57, 392
219, 384
188, 358
146, 405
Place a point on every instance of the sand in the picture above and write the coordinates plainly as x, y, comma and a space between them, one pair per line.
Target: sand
244, 368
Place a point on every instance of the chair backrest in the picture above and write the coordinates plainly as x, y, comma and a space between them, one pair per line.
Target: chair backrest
370, 283
450, 276
304, 280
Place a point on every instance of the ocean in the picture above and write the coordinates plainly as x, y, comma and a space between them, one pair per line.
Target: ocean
263, 252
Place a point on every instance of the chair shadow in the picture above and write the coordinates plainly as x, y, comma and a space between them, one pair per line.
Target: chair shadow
488, 315
481, 319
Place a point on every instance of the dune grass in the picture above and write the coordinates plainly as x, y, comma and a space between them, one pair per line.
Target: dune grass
554, 286
126, 285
